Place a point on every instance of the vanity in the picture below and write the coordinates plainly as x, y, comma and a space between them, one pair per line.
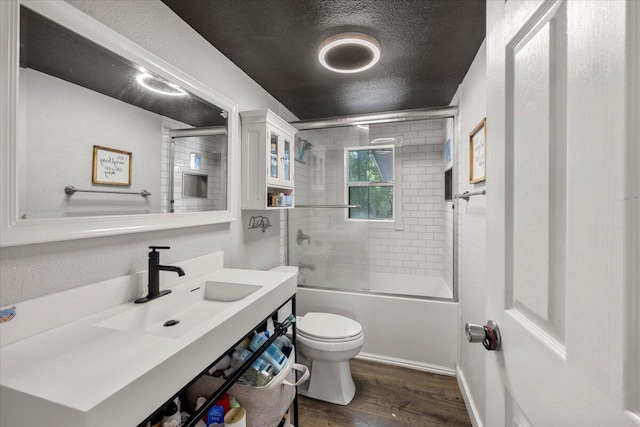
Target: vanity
91, 357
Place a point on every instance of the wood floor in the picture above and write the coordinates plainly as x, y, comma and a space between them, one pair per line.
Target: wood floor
390, 396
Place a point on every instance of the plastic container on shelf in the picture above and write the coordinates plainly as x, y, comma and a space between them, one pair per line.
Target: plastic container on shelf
258, 374
274, 356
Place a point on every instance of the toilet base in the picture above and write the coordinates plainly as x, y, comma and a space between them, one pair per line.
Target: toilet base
330, 382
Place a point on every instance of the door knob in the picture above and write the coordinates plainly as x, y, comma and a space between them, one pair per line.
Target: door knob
488, 335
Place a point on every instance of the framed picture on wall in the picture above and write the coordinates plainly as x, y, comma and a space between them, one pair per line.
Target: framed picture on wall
111, 166
477, 153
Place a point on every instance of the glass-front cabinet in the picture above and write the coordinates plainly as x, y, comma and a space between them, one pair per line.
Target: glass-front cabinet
279, 158
273, 158
267, 161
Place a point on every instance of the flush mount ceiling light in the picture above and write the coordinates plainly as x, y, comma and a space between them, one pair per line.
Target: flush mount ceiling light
349, 52
157, 85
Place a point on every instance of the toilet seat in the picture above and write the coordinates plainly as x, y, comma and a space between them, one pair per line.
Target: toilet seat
328, 327
329, 332
329, 340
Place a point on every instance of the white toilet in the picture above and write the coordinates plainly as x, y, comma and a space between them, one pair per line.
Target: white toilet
327, 342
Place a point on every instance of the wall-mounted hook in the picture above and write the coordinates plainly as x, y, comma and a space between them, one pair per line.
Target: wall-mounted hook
259, 222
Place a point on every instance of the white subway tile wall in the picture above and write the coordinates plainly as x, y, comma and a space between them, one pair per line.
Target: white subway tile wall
344, 252
213, 164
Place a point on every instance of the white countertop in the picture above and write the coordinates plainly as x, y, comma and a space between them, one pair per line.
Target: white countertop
81, 374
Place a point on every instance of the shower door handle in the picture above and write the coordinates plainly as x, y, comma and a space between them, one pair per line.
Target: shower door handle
488, 335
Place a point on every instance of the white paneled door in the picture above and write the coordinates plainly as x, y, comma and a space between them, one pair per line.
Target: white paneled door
562, 213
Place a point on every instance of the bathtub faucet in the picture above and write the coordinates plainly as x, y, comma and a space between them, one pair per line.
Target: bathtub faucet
302, 265
301, 237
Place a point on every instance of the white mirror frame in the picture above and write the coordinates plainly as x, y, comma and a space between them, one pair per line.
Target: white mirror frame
15, 231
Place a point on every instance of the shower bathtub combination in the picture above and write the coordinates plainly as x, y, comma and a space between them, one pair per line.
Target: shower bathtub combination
372, 235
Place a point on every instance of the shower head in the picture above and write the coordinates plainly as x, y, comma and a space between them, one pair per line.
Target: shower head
306, 145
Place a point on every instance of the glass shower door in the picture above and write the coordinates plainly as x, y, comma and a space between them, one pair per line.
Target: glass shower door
331, 253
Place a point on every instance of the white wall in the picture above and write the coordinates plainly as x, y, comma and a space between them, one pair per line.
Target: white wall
35, 270
471, 99
65, 121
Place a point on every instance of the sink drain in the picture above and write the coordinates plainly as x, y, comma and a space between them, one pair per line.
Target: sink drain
171, 322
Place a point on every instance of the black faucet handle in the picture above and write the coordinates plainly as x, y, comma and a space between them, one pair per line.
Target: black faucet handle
159, 247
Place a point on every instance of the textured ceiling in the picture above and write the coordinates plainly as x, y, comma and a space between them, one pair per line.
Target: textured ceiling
427, 48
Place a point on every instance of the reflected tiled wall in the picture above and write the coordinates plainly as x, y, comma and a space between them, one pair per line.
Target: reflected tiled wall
213, 163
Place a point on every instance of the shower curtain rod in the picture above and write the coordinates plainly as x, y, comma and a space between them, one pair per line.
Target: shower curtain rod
466, 194
329, 206
386, 117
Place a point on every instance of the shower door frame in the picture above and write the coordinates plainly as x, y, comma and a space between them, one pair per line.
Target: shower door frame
448, 112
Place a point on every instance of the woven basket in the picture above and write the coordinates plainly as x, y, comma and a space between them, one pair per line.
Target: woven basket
265, 405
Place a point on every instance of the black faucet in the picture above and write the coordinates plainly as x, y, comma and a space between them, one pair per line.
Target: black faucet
154, 274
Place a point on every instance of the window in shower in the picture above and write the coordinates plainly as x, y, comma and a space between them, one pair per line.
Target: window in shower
448, 185
370, 182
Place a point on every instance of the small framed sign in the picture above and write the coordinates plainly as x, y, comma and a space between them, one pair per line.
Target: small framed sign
111, 166
477, 153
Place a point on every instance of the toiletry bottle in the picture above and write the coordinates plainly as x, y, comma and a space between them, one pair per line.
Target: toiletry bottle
278, 356
199, 402
283, 344
171, 412
272, 355
239, 357
258, 374
274, 159
233, 402
223, 364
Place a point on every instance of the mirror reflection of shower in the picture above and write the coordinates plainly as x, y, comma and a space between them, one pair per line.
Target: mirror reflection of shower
371, 208
195, 178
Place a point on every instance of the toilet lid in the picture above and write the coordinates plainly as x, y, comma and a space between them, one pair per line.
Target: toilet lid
328, 326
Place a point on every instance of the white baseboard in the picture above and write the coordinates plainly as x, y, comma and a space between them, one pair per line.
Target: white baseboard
468, 400
426, 367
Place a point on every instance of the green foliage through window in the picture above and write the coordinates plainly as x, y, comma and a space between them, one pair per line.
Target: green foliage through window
370, 183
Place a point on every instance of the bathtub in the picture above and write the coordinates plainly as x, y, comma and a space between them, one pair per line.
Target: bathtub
405, 284
387, 283
418, 333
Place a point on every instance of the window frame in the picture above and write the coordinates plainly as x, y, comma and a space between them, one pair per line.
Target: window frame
348, 184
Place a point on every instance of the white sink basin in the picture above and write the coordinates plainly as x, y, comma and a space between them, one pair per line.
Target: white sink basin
228, 292
186, 307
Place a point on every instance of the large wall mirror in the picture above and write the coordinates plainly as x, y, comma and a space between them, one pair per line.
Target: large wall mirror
101, 136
